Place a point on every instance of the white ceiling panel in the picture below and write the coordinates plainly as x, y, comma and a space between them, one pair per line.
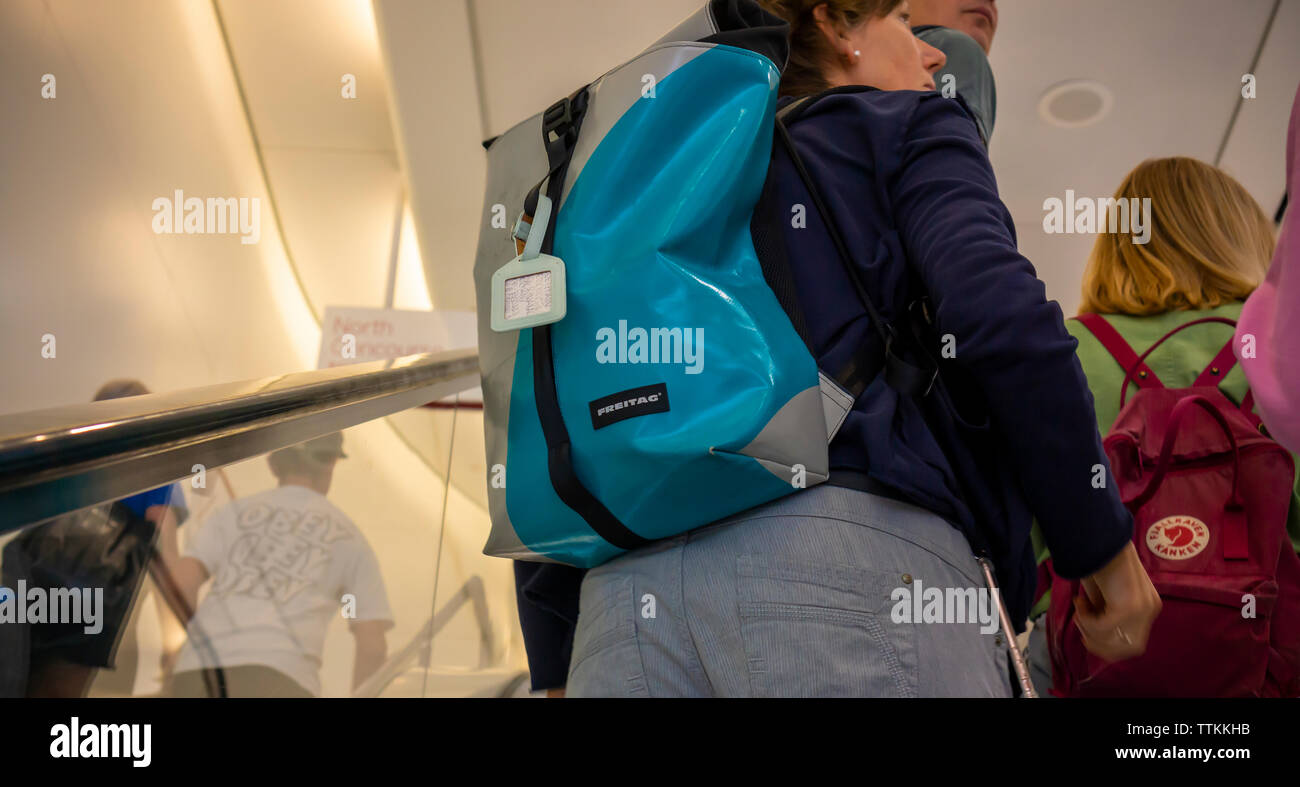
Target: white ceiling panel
292, 55
142, 109
533, 53
338, 210
330, 161
1256, 151
1174, 67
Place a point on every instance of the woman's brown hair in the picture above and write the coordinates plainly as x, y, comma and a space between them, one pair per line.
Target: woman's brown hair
809, 52
1210, 244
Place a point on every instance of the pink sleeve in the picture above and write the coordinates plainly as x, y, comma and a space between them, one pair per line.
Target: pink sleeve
1270, 321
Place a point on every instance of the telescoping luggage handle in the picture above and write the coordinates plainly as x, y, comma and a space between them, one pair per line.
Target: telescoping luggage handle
1009, 631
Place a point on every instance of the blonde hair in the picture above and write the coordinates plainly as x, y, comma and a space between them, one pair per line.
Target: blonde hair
809, 52
1210, 244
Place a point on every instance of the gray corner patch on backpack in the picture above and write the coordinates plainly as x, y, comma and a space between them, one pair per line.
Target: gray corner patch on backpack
836, 404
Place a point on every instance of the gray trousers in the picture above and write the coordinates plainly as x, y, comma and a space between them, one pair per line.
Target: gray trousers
806, 596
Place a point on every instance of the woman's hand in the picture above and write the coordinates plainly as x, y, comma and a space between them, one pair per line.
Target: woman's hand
1120, 607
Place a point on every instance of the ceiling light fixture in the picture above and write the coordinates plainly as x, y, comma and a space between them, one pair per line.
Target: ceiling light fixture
1075, 103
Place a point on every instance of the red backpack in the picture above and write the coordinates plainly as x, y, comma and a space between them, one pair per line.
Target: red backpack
1209, 495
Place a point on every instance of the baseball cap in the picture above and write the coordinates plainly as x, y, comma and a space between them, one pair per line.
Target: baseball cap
325, 448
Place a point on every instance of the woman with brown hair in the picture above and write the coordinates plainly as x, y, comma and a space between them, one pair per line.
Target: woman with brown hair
1210, 244
832, 591
1208, 248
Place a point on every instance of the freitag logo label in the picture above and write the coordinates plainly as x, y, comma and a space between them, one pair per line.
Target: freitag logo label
629, 404
1178, 537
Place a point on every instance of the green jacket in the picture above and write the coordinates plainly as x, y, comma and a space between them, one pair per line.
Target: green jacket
1176, 363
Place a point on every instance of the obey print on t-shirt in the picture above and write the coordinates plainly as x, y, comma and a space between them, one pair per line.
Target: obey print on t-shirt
278, 553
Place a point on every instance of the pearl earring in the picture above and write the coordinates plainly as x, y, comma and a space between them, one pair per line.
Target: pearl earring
857, 53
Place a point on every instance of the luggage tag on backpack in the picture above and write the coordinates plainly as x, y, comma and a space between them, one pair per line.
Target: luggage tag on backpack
529, 290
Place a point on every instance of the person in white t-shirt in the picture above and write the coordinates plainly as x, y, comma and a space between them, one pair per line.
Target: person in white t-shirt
282, 564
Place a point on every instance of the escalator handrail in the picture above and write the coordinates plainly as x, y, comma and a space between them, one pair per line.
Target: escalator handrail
64, 459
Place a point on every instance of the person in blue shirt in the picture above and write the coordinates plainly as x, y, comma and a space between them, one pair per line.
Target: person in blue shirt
156, 503
963, 30
830, 591
67, 666
978, 19
165, 507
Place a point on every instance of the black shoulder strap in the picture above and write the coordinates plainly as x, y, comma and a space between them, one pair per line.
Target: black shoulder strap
900, 375
560, 125
903, 377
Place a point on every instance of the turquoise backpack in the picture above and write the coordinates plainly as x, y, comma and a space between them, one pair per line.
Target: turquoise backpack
641, 376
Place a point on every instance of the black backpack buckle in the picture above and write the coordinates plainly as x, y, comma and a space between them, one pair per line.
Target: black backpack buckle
557, 118
906, 378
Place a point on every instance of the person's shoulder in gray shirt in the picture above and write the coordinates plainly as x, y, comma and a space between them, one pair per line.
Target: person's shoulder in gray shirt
967, 71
